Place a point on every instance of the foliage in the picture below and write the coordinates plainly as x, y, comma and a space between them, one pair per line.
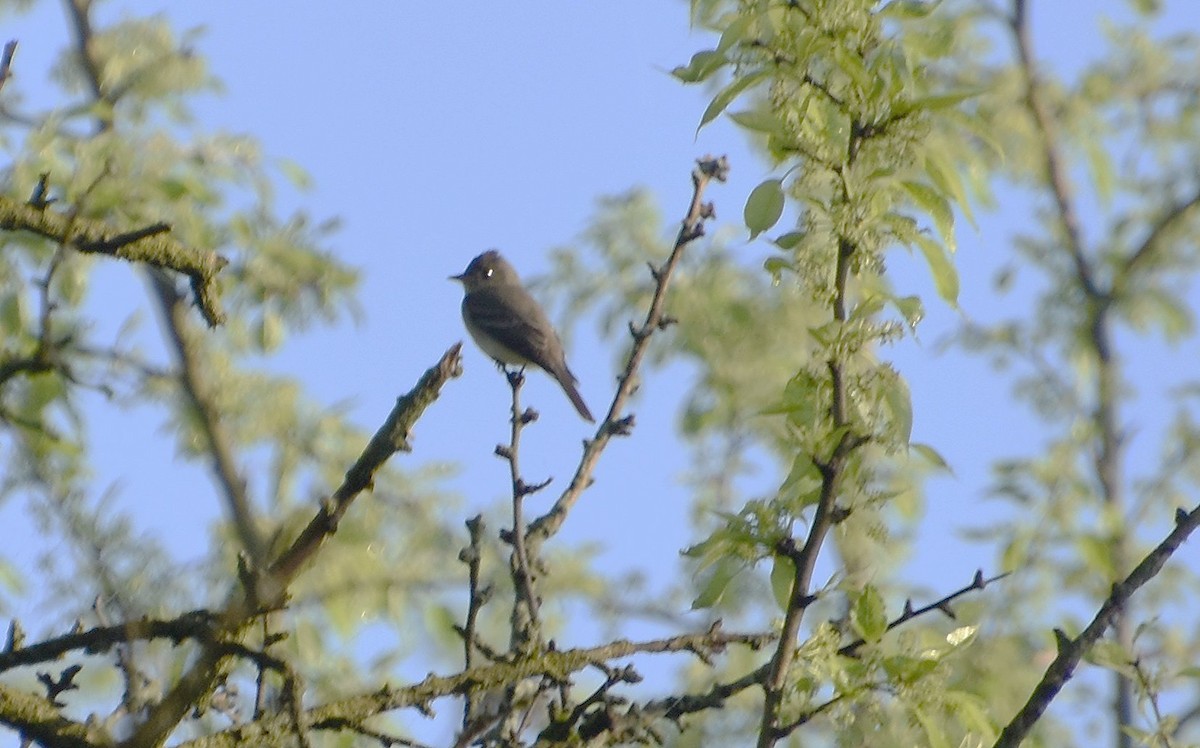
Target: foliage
884, 125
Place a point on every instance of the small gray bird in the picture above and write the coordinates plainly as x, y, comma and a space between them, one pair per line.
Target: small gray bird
509, 325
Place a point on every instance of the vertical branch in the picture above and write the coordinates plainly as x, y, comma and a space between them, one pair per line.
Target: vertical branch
805, 557
1107, 459
526, 628
477, 597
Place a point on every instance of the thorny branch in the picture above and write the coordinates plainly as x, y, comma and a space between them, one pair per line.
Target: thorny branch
526, 628
707, 169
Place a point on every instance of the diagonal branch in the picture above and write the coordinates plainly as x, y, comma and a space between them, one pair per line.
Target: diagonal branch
1153, 241
200, 401
1071, 651
10, 49
614, 424
268, 587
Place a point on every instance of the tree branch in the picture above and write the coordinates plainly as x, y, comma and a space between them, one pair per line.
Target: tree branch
1055, 170
39, 720
1071, 651
269, 587
707, 169
197, 396
555, 665
151, 246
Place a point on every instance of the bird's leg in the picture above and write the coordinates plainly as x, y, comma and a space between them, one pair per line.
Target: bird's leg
515, 376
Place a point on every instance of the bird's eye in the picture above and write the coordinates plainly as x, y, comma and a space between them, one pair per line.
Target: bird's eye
488, 273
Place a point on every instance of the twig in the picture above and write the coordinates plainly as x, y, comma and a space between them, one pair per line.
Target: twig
388, 741
1071, 651
707, 169
392, 437
1151, 694
831, 468
556, 665
526, 628
65, 682
196, 625
10, 49
477, 597
1055, 171
943, 605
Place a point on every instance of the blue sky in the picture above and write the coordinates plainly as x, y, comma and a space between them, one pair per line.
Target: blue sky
437, 130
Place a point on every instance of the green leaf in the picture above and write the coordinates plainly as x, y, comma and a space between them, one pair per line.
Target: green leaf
1110, 655
935, 735
945, 276
868, 616
911, 309
776, 266
764, 206
932, 456
935, 102
1100, 164
701, 66
944, 175
803, 481
758, 120
789, 240
936, 207
14, 316
783, 574
11, 577
296, 174
714, 589
899, 401
851, 64
972, 713
726, 96
735, 32
271, 331
908, 669
909, 9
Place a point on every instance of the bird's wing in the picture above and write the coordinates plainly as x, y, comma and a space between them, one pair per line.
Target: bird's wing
517, 322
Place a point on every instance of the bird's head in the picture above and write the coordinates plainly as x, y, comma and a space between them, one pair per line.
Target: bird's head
488, 269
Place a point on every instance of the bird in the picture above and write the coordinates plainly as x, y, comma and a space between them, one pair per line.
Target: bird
509, 325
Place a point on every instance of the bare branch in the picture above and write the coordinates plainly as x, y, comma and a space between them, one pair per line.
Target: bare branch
1071, 651
614, 424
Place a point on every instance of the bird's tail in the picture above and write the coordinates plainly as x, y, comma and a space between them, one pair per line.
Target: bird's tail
567, 380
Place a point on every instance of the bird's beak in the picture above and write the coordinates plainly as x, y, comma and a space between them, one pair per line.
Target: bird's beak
458, 277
